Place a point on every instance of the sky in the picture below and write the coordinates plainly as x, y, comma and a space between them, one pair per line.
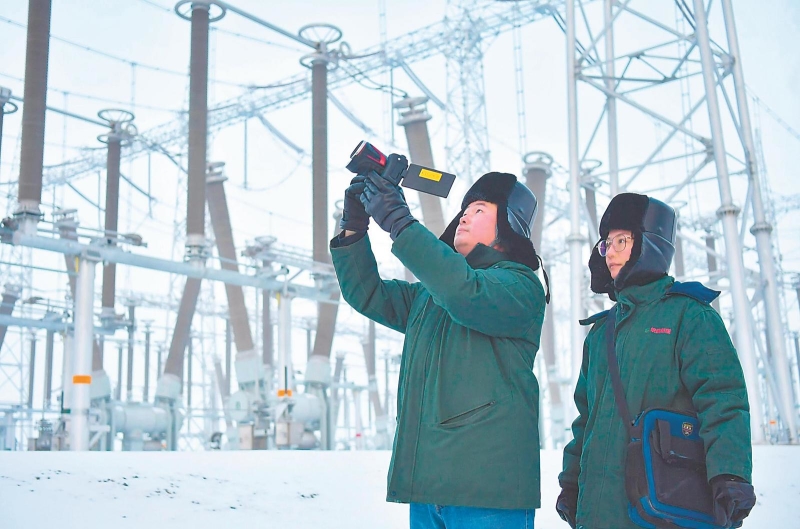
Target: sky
139, 59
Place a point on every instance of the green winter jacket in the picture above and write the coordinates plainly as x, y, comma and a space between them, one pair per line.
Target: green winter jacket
467, 399
673, 352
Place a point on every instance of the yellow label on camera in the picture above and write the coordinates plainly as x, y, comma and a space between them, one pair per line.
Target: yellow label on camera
430, 175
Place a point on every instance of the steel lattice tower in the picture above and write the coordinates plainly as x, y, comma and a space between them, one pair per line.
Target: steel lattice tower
647, 81
467, 143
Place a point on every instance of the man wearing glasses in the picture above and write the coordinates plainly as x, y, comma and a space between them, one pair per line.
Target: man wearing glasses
673, 352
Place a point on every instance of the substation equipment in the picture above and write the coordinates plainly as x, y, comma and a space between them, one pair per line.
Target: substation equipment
267, 410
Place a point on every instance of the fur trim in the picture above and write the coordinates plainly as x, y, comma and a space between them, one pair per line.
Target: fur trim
492, 187
624, 212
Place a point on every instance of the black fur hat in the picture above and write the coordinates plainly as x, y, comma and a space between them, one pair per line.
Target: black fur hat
653, 225
497, 188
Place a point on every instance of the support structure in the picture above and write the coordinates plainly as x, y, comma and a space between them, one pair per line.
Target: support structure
48, 369
467, 135
81, 377
146, 389
485, 20
319, 62
223, 235
766, 357
10, 298
337, 395
225, 389
761, 230
575, 240
537, 170
414, 119
131, 340
37, 52
381, 420
680, 51
170, 383
728, 213
6, 107
31, 369
119, 122
285, 369
249, 364
67, 226
678, 262
611, 100
711, 259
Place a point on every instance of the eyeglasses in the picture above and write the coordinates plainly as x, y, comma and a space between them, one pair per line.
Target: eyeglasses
618, 243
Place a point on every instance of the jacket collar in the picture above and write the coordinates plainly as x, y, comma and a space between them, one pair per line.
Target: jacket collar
645, 294
483, 256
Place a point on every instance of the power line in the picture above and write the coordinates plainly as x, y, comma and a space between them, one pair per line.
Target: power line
129, 62
91, 97
774, 115
362, 78
166, 9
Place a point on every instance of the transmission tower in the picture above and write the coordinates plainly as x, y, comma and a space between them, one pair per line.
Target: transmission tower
649, 82
467, 143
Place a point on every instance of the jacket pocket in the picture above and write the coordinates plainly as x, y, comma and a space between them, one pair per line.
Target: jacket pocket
467, 417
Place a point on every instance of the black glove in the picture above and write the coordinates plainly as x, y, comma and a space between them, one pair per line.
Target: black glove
354, 218
733, 499
567, 505
386, 203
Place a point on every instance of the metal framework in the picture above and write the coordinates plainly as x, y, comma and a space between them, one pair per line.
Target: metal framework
681, 62
641, 80
440, 38
467, 143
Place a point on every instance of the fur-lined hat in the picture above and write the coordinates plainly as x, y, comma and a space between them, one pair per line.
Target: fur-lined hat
514, 228
653, 225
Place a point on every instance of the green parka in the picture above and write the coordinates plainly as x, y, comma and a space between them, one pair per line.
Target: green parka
673, 352
467, 400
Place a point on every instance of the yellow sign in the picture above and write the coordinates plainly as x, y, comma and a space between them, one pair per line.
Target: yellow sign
430, 175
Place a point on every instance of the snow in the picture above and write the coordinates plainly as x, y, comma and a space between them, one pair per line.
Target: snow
286, 489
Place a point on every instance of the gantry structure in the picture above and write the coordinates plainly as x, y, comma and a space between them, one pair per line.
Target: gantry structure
679, 78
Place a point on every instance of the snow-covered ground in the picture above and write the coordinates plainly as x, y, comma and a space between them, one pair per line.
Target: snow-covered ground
287, 490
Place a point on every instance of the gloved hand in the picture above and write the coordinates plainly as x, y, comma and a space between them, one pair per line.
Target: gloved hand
385, 202
567, 505
354, 217
733, 499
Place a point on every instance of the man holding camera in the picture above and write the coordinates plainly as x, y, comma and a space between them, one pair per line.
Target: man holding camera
466, 448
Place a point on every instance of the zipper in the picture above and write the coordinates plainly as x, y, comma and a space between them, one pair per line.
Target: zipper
422, 398
456, 418
424, 388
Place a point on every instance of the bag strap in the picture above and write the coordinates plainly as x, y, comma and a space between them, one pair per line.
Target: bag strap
613, 370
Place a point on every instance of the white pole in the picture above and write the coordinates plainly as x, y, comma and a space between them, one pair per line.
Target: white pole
611, 101
728, 213
285, 369
359, 437
575, 239
82, 355
761, 230
66, 369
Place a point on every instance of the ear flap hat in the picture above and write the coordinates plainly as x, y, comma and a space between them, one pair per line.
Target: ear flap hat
653, 225
514, 227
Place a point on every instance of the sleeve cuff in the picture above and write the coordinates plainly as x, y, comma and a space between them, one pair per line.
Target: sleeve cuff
342, 240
